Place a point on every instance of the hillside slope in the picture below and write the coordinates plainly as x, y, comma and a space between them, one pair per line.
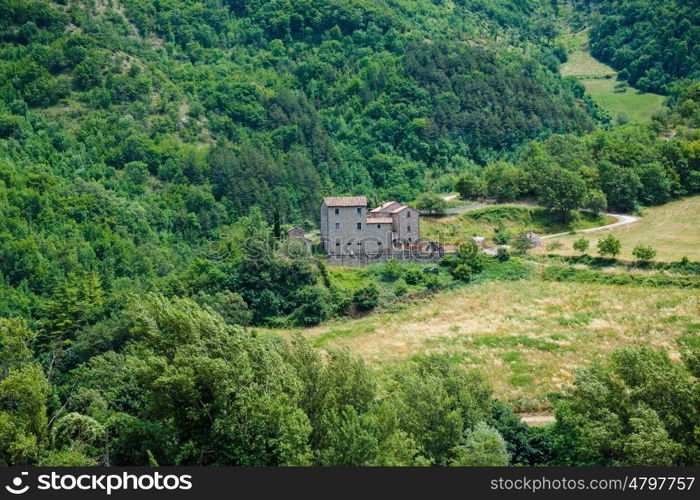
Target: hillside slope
135, 134
653, 43
301, 97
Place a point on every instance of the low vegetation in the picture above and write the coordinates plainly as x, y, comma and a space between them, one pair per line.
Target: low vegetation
500, 223
153, 152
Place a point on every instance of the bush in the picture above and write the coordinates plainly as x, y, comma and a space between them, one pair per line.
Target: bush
572, 274
341, 299
462, 272
469, 253
413, 276
401, 289
644, 253
609, 246
391, 270
367, 297
502, 254
581, 245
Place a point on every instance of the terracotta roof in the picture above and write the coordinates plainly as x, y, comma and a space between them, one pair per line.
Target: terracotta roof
397, 210
379, 220
383, 207
295, 229
346, 201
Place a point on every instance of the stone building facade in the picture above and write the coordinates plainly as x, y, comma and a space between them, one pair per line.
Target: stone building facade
348, 228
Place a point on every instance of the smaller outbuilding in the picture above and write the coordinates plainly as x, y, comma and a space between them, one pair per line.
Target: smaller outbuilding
297, 233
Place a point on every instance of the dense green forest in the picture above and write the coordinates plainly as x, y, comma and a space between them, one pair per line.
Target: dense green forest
135, 137
151, 151
653, 43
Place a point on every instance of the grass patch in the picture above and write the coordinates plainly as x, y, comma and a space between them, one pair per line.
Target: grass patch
338, 333
600, 81
516, 341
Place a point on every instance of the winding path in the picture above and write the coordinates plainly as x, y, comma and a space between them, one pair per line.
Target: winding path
621, 221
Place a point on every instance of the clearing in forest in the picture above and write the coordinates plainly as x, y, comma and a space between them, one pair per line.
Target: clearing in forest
600, 81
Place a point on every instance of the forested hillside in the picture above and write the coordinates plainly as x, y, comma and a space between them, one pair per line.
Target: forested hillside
654, 44
134, 135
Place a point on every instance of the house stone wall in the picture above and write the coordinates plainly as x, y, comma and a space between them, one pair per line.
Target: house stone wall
407, 226
324, 227
343, 240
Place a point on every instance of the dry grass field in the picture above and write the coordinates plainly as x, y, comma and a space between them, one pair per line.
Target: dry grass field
526, 336
672, 229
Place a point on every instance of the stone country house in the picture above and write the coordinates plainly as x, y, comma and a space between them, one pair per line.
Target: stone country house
348, 228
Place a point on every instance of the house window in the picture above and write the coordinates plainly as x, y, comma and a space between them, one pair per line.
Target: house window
337, 211
409, 229
409, 240
359, 225
359, 211
379, 226
337, 225
337, 243
408, 214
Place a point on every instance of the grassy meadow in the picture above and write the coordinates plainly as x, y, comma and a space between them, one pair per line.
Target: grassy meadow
528, 336
672, 229
600, 80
